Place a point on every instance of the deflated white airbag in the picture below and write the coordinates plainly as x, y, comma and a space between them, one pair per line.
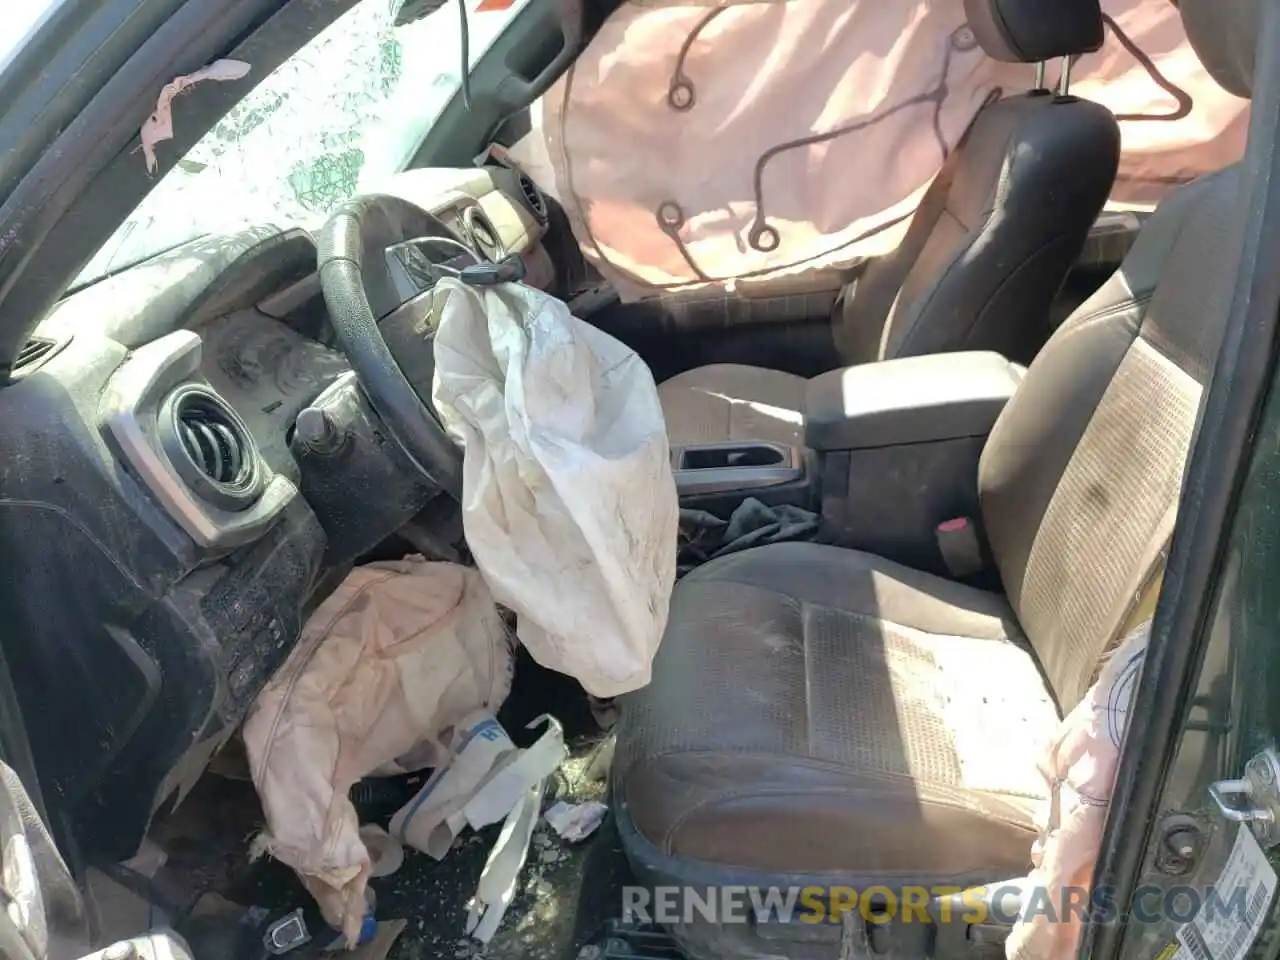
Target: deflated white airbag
569, 504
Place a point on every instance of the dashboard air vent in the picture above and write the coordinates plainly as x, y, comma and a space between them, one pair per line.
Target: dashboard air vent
211, 448
33, 353
533, 197
211, 443
482, 234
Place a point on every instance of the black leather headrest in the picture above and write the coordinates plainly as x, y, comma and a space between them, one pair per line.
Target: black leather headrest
1028, 31
1224, 34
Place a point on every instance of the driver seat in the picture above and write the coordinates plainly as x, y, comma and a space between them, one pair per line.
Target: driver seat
824, 716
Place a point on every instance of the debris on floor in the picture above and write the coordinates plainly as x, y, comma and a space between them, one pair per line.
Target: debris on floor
402, 652
482, 782
704, 536
501, 872
563, 896
576, 821
486, 779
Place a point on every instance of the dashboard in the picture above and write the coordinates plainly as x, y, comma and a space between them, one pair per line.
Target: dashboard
175, 512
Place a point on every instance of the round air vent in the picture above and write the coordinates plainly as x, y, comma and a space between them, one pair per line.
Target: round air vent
33, 354
532, 197
211, 448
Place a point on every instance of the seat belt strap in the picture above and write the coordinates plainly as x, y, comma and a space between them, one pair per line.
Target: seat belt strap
1142, 603
1144, 607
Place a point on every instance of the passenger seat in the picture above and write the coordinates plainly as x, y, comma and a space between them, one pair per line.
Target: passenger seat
822, 716
986, 253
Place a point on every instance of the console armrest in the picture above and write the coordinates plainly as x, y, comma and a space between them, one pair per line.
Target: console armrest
911, 400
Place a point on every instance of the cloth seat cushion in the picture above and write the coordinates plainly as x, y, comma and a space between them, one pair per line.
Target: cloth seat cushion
815, 709
729, 401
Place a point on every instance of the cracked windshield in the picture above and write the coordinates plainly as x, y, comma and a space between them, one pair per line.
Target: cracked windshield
345, 110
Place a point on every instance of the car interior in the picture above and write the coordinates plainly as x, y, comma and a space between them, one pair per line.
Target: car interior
993, 423
985, 255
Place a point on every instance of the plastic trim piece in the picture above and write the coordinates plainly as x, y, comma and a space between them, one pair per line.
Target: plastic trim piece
734, 466
908, 400
475, 225
245, 486
129, 416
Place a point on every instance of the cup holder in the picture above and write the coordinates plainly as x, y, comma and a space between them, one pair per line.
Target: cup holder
722, 457
718, 467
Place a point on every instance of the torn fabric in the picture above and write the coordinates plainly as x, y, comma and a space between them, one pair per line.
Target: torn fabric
159, 125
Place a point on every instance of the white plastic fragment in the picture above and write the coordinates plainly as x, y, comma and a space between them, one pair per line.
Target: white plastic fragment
576, 821
481, 784
497, 885
486, 780
159, 125
534, 764
148, 860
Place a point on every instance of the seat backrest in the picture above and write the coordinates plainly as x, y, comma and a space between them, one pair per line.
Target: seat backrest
1007, 216
1081, 476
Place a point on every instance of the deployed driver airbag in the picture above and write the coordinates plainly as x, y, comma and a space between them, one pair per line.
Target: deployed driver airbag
568, 500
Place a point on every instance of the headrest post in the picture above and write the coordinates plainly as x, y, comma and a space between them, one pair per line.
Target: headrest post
1064, 81
1039, 75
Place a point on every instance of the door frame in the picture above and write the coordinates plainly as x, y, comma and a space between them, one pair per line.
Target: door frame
1243, 379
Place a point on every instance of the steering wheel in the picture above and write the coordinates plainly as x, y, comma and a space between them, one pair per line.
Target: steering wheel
359, 290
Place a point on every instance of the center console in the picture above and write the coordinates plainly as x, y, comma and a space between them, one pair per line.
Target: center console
890, 459
898, 444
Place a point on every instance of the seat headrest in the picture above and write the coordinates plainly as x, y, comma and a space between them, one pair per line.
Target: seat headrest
1224, 34
1028, 31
